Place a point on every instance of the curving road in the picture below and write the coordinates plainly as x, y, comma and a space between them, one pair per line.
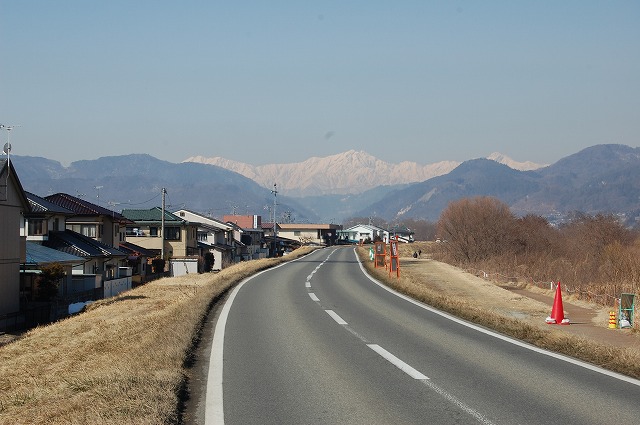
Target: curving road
316, 341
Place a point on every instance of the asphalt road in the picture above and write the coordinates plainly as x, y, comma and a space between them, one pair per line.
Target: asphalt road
315, 341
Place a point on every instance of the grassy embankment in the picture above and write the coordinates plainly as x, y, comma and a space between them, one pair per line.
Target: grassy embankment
124, 361
621, 360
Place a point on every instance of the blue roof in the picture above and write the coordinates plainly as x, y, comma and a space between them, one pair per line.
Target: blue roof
38, 254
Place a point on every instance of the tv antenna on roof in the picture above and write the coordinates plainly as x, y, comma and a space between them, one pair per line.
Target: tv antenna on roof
7, 146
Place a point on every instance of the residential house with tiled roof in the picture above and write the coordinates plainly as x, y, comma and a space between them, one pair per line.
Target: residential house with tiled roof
13, 204
91, 220
43, 217
213, 236
309, 233
56, 222
251, 234
145, 230
139, 258
39, 256
103, 273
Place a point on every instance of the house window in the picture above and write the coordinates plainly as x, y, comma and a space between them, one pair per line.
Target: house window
153, 231
88, 230
37, 227
172, 233
296, 233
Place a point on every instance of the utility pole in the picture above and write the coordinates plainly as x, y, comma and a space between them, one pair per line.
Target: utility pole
275, 225
164, 191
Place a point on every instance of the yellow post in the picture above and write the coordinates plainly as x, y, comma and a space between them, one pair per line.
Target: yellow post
612, 320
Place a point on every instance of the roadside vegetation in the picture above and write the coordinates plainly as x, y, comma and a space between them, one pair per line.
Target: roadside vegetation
123, 361
595, 258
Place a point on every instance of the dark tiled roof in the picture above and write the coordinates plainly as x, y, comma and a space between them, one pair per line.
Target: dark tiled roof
41, 205
151, 215
221, 247
38, 254
133, 249
80, 206
76, 244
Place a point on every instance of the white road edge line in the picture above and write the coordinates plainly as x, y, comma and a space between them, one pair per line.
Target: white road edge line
397, 362
214, 408
335, 317
500, 336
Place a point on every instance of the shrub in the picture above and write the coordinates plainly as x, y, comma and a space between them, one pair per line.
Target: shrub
49, 280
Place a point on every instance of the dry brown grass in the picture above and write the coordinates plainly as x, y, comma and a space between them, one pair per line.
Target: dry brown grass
123, 361
621, 360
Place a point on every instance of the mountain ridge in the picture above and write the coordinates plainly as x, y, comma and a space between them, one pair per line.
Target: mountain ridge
349, 172
598, 179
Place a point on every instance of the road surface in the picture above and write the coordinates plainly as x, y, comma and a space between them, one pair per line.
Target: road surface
316, 341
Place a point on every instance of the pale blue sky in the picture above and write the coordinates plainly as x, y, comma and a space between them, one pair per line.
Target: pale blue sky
281, 81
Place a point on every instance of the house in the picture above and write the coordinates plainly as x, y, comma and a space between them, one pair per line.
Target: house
179, 244
145, 230
363, 233
13, 205
310, 234
213, 236
43, 217
104, 267
279, 247
251, 236
91, 220
39, 256
244, 221
83, 230
402, 233
138, 258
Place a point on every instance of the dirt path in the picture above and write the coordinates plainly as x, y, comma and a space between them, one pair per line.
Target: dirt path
532, 305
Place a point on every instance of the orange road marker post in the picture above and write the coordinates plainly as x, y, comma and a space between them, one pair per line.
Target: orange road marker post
380, 255
394, 263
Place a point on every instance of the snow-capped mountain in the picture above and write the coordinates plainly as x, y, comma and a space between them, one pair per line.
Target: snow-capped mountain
521, 166
344, 173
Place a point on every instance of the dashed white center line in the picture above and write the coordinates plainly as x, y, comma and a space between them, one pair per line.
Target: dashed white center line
335, 317
314, 297
397, 362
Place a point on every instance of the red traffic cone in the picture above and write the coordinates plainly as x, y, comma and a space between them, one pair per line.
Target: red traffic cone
557, 312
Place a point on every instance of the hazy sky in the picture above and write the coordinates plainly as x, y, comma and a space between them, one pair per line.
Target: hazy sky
280, 81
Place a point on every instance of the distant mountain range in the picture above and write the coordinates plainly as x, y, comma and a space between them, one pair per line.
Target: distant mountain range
351, 172
136, 181
602, 178
599, 179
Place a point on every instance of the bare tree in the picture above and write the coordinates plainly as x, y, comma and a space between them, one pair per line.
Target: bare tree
477, 228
